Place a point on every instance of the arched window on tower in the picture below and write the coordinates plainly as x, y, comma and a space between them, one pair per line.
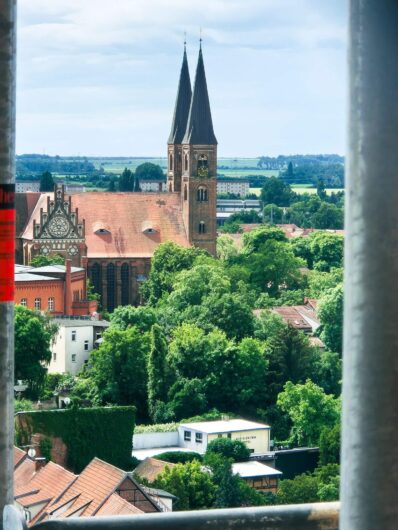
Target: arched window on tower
202, 227
202, 194
186, 163
203, 168
171, 162
185, 193
125, 276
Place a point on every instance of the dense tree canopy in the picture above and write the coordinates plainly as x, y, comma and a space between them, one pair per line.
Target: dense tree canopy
147, 170
46, 182
275, 191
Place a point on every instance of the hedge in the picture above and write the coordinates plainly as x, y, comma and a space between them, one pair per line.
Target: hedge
103, 432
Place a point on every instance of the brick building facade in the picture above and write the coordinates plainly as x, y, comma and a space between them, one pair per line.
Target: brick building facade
114, 235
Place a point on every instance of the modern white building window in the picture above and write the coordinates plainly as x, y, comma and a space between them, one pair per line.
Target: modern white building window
198, 437
73, 336
54, 356
187, 436
24, 302
73, 357
51, 304
97, 335
38, 303
86, 345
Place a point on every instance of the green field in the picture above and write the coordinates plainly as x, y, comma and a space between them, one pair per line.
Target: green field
301, 188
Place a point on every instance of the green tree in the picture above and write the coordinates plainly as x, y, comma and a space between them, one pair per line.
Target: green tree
321, 190
193, 487
112, 185
331, 316
255, 239
326, 250
327, 371
329, 216
272, 214
329, 445
275, 191
310, 409
47, 182
33, 335
126, 180
320, 282
226, 248
147, 170
43, 261
186, 398
142, 317
158, 377
168, 260
235, 449
302, 489
119, 368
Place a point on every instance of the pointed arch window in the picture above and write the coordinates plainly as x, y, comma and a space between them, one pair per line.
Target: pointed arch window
202, 227
203, 168
94, 273
110, 280
186, 163
185, 192
171, 162
202, 194
125, 276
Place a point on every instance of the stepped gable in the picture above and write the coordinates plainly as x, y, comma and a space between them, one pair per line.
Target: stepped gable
183, 101
200, 124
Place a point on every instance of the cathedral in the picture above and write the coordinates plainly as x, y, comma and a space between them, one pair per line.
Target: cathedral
114, 235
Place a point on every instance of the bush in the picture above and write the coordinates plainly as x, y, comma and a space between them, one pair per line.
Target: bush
156, 427
179, 457
234, 449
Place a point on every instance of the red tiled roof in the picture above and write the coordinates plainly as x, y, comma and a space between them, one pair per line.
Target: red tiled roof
115, 505
49, 482
23, 474
96, 482
19, 455
124, 215
150, 468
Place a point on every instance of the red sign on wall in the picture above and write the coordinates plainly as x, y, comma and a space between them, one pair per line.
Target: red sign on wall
7, 242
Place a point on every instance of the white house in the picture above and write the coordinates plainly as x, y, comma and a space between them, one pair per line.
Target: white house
74, 341
196, 436
233, 185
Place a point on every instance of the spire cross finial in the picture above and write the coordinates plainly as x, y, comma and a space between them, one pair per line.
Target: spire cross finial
200, 38
185, 39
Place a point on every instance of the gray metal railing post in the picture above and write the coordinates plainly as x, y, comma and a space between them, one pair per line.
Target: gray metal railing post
370, 380
7, 239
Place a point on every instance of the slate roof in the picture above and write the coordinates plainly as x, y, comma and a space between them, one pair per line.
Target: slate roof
150, 468
200, 124
183, 101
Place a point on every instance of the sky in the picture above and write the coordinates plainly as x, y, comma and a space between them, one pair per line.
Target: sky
99, 77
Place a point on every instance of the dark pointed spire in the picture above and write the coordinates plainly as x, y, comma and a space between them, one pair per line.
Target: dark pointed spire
200, 125
183, 101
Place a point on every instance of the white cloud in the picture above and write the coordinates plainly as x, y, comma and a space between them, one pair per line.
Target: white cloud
100, 77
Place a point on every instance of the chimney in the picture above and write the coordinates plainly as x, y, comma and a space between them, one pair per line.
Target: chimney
40, 462
68, 287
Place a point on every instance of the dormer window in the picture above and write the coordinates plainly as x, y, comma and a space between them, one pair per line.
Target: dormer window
148, 227
101, 229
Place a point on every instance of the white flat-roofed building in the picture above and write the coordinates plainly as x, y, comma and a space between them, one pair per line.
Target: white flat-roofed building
22, 186
257, 475
196, 436
73, 344
153, 185
237, 186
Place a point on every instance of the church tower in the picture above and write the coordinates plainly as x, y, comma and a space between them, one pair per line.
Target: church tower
199, 168
178, 127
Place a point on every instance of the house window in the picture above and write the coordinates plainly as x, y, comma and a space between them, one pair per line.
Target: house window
202, 227
229, 435
51, 304
86, 345
187, 436
202, 194
54, 356
73, 336
73, 357
38, 303
24, 302
198, 437
97, 335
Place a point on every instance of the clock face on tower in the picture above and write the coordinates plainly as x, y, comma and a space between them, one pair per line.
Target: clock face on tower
58, 226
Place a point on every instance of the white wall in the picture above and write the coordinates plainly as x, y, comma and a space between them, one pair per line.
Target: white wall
64, 348
192, 445
148, 440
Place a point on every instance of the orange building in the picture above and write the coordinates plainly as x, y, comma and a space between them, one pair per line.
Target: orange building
57, 289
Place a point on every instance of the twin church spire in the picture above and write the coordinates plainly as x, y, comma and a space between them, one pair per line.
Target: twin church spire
192, 121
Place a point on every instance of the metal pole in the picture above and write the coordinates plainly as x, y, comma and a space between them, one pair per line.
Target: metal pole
7, 239
370, 379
